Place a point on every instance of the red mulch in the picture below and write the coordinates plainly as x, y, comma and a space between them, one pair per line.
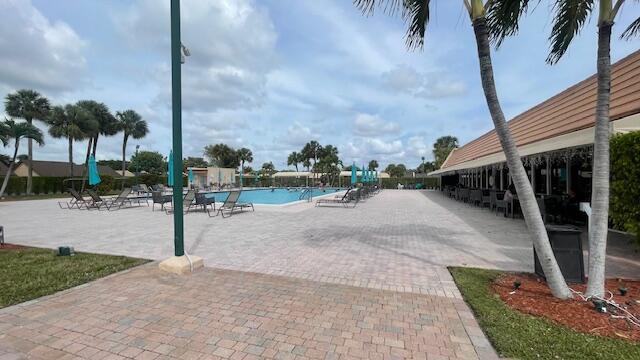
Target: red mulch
534, 297
7, 246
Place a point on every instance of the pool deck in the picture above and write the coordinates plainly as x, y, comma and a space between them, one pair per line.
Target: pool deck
294, 263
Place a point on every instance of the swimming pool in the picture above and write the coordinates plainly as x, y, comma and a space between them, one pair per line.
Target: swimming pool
271, 196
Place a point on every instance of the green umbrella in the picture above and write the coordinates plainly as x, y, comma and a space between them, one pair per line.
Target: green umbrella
170, 172
354, 174
191, 177
94, 176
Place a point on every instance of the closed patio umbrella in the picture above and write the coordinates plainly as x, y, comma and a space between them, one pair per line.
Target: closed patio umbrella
354, 174
94, 176
191, 178
170, 172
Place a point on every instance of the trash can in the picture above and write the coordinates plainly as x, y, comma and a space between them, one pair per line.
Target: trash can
567, 248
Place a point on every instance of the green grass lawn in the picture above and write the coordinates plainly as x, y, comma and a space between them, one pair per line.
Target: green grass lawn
30, 273
518, 335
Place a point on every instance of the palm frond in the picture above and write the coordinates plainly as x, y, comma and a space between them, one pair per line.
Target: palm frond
388, 6
416, 14
569, 18
503, 18
632, 30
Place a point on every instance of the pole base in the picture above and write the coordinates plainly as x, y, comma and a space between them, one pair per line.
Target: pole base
180, 264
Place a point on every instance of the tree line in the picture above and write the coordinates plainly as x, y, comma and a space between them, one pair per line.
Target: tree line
84, 120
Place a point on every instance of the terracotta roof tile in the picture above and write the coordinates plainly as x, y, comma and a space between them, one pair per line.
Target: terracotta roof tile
566, 112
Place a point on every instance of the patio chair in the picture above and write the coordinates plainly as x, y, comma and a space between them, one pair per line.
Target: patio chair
475, 197
204, 201
497, 204
158, 198
344, 200
485, 198
122, 200
188, 201
77, 200
231, 204
96, 201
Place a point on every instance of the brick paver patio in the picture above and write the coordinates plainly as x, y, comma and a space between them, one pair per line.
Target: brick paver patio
369, 282
224, 314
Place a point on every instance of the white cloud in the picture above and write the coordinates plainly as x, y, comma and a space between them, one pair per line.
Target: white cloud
436, 84
37, 53
373, 125
232, 45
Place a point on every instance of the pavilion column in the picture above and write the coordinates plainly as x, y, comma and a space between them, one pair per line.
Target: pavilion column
533, 177
486, 178
568, 170
548, 177
501, 179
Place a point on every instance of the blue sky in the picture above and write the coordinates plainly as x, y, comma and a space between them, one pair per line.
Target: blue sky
271, 75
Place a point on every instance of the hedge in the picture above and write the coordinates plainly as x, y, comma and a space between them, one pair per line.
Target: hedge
53, 185
624, 204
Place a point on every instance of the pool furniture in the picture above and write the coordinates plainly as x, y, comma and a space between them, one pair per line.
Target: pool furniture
1, 235
158, 198
96, 200
123, 200
188, 201
475, 197
495, 203
231, 204
76, 201
204, 201
344, 200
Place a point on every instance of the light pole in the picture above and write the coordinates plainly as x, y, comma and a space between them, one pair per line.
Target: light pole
137, 164
180, 263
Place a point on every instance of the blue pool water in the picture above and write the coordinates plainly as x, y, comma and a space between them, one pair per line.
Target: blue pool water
268, 196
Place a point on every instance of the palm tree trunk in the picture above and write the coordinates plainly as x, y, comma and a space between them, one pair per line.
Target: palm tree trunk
124, 152
95, 145
10, 170
526, 196
86, 162
599, 222
29, 161
70, 157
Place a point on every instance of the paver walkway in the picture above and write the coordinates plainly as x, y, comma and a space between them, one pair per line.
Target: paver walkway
223, 314
378, 269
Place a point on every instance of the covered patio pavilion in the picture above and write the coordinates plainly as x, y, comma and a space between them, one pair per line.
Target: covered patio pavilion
554, 139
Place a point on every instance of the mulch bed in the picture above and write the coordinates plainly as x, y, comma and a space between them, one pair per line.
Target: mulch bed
7, 246
534, 297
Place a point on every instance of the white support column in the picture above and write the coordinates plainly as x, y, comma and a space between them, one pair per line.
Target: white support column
533, 177
548, 177
501, 179
568, 170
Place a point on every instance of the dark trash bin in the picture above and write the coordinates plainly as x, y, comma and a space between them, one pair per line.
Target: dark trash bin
567, 248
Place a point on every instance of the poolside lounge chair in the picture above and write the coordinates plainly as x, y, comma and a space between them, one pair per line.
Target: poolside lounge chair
188, 201
204, 201
123, 200
344, 200
158, 198
77, 200
96, 201
231, 204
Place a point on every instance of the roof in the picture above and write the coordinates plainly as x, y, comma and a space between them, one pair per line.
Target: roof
571, 110
61, 169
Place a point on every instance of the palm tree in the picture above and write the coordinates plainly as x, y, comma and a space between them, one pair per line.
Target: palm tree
294, 159
442, 147
28, 105
373, 165
132, 125
495, 19
11, 130
244, 154
570, 18
72, 123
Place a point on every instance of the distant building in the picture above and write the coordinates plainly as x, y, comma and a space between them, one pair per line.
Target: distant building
213, 176
58, 169
3, 168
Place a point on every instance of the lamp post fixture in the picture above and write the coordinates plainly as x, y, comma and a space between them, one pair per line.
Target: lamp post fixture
138, 164
180, 263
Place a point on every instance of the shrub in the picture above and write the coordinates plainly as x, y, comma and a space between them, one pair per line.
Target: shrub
409, 182
625, 184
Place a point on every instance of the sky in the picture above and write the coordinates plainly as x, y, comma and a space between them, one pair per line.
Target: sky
271, 75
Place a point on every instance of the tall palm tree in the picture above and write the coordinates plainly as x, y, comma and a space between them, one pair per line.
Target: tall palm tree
132, 125
244, 154
293, 159
570, 17
373, 165
72, 123
106, 124
442, 147
28, 105
492, 17
16, 131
